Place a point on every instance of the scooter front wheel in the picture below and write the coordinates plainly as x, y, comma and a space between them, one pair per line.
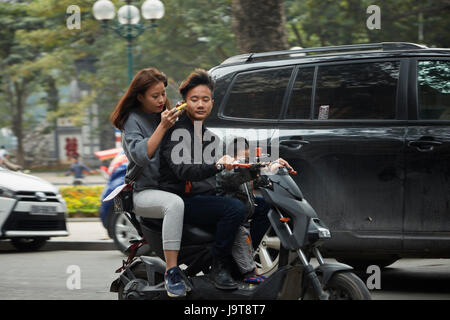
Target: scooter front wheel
343, 286
347, 286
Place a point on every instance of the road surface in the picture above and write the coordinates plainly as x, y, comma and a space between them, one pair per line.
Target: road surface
87, 275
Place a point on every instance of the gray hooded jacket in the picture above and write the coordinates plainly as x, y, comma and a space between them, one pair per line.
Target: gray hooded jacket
138, 128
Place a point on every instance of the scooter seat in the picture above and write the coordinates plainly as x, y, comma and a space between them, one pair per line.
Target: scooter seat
191, 234
196, 235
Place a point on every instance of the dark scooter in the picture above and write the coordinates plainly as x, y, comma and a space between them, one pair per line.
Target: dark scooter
294, 221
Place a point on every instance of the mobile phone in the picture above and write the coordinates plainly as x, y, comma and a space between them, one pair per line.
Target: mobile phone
182, 106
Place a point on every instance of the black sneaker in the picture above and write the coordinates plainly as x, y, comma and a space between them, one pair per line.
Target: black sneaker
220, 275
174, 285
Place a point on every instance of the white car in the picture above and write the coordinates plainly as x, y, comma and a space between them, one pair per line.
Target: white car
31, 210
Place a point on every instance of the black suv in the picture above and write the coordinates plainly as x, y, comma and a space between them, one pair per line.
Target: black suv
367, 127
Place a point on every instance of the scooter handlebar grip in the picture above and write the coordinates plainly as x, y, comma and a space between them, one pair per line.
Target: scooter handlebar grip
242, 165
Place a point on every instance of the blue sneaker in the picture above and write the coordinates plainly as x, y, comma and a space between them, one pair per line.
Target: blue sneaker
174, 285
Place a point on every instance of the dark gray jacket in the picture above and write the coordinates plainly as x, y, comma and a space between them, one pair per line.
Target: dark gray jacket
201, 176
136, 131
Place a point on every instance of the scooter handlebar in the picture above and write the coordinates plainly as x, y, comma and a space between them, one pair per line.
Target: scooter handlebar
257, 165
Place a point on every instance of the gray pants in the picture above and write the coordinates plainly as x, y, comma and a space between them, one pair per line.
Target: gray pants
157, 204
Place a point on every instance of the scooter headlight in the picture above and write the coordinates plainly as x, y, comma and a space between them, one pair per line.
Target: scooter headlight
317, 232
324, 233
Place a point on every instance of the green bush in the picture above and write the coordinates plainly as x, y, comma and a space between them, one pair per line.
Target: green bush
82, 201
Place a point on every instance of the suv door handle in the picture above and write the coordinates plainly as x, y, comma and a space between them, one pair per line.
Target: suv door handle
424, 145
293, 143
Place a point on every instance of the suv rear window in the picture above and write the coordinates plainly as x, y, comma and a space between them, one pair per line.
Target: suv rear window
258, 94
357, 91
433, 81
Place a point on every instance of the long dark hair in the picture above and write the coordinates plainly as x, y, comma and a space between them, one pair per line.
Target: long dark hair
143, 80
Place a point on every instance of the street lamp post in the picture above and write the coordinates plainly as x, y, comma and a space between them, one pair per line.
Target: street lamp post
127, 26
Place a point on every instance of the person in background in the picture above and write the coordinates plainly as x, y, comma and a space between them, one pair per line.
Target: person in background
3, 154
6, 162
77, 169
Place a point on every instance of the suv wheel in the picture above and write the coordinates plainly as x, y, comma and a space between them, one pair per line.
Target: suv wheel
122, 231
267, 253
28, 244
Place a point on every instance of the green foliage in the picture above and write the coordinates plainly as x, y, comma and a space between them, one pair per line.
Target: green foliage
17, 80
313, 23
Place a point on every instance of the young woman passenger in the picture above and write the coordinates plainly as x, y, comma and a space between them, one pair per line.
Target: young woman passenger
143, 115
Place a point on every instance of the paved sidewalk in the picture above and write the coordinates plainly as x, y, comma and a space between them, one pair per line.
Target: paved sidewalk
85, 229
85, 234
58, 178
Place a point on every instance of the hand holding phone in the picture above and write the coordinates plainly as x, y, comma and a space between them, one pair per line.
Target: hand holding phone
181, 107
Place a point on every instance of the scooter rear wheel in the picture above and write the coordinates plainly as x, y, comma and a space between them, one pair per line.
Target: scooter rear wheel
139, 272
122, 231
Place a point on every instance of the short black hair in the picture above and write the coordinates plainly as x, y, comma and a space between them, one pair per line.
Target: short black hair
196, 78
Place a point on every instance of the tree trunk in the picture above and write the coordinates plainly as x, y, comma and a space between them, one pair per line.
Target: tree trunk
52, 94
16, 93
18, 120
259, 26
297, 35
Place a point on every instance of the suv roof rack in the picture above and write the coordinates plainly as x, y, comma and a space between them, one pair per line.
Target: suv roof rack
385, 46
